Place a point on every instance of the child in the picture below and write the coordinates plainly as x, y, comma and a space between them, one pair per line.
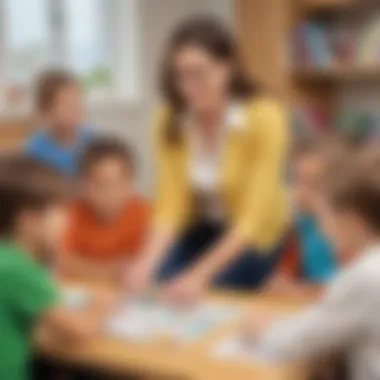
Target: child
309, 261
59, 103
347, 319
32, 214
109, 222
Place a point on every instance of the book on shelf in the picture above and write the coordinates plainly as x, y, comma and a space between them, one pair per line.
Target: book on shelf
324, 45
368, 51
360, 124
363, 125
309, 121
311, 46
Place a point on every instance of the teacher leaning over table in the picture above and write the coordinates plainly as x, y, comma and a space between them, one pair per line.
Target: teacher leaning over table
222, 212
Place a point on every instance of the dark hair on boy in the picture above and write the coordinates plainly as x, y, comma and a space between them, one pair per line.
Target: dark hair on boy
49, 83
331, 145
26, 185
354, 185
106, 148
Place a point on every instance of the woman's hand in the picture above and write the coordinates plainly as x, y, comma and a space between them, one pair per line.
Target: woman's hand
185, 289
138, 276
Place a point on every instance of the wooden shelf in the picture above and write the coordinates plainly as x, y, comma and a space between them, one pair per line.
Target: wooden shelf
338, 74
331, 7
14, 133
322, 6
265, 27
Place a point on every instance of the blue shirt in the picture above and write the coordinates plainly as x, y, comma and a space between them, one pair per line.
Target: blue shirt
43, 147
318, 260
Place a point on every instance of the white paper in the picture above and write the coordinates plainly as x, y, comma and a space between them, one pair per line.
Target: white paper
145, 320
243, 350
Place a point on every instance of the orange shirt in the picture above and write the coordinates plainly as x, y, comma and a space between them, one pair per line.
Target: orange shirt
90, 237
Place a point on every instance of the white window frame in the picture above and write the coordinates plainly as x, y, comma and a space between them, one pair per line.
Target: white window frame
124, 46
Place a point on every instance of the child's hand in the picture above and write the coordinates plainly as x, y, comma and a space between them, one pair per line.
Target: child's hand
281, 285
75, 326
137, 276
185, 289
103, 302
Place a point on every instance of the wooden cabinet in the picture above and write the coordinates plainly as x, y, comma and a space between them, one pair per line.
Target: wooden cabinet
262, 29
14, 133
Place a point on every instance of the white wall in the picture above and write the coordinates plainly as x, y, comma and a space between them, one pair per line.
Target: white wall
157, 18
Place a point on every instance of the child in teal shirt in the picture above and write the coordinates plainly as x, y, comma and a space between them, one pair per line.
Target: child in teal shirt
32, 210
310, 261
318, 263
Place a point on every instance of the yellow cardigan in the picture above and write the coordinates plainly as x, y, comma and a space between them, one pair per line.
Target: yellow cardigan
253, 173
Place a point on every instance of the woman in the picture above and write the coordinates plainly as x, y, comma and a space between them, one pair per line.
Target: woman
220, 161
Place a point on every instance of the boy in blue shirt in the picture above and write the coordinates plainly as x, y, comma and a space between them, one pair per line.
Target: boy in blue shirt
310, 261
58, 100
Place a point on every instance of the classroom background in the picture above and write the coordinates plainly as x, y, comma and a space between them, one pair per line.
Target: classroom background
322, 56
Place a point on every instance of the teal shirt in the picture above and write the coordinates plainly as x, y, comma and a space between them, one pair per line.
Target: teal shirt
26, 291
318, 260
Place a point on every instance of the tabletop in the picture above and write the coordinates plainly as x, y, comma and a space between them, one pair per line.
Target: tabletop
163, 359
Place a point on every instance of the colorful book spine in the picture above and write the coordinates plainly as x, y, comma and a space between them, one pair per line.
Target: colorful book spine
311, 45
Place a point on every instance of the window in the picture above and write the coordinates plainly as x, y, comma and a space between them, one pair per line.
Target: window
26, 38
86, 42
94, 38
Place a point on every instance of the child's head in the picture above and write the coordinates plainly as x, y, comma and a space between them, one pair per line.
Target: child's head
349, 206
58, 99
106, 169
310, 158
32, 202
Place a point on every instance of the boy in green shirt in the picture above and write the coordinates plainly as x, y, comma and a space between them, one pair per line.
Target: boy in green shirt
32, 215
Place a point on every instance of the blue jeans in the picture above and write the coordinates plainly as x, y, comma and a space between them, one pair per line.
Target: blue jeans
247, 272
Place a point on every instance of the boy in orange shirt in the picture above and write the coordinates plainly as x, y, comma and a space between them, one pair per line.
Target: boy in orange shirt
109, 221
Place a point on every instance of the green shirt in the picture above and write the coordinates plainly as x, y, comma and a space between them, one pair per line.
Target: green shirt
26, 291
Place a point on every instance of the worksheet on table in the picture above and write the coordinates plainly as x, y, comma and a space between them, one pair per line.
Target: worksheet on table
148, 319
242, 349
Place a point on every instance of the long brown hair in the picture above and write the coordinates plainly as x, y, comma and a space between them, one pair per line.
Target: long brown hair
214, 37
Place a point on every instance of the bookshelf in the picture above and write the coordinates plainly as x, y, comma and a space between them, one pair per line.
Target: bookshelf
259, 22
317, 6
266, 30
338, 75
330, 7
14, 132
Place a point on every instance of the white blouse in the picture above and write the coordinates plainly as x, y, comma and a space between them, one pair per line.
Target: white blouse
206, 163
